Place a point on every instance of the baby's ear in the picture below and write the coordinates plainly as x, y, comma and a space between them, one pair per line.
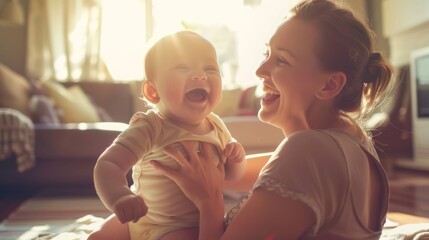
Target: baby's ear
149, 92
333, 86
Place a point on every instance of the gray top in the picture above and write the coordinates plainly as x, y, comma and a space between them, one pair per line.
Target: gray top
326, 171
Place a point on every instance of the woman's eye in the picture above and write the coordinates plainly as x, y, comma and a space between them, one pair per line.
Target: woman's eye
281, 60
266, 54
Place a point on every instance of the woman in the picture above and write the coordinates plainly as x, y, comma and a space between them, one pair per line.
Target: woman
321, 76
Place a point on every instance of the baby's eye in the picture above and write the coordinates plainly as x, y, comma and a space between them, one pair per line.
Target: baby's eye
211, 69
182, 67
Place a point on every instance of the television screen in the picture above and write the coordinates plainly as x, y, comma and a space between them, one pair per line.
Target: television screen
419, 66
422, 86
419, 91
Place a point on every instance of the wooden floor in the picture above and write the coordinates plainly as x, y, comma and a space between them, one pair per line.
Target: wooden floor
409, 193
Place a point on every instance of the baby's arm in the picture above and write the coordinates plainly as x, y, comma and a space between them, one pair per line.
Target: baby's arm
111, 184
235, 163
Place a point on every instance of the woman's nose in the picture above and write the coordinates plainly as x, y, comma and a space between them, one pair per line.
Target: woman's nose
261, 71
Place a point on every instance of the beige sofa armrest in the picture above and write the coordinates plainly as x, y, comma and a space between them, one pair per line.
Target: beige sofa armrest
75, 141
254, 135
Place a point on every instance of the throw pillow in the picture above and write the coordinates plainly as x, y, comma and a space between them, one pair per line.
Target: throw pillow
73, 104
230, 102
250, 101
14, 91
44, 110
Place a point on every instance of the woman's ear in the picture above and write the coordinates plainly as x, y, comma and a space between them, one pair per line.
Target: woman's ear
333, 86
149, 92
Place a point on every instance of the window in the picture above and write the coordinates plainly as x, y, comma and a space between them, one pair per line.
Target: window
238, 29
123, 36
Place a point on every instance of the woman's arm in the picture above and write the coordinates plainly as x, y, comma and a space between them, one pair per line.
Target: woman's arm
267, 215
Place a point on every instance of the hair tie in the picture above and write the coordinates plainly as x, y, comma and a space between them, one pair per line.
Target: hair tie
372, 72
375, 56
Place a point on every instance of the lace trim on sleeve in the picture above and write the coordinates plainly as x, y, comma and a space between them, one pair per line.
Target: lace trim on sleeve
281, 189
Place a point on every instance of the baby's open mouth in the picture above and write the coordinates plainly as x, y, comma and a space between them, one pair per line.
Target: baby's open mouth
197, 94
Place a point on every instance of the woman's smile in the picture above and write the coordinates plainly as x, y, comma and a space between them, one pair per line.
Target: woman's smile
270, 95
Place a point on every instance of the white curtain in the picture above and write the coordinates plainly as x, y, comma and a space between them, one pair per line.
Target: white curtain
105, 39
64, 40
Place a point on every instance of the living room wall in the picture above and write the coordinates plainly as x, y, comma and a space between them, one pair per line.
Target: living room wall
406, 25
13, 43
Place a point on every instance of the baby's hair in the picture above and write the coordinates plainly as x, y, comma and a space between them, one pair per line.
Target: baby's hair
347, 45
156, 46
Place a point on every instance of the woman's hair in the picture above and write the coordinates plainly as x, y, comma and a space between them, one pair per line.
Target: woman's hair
347, 45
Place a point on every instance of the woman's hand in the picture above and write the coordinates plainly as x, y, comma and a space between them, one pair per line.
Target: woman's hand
200, 180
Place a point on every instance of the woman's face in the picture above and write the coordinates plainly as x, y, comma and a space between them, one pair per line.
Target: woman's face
291, 75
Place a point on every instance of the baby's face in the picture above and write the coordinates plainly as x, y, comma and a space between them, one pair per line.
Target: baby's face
188, 81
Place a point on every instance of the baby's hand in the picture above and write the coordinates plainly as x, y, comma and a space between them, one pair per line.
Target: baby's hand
234, 163
234, 153
129, 208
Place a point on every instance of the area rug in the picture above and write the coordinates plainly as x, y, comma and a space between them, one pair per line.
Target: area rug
62, 217
65, 214
73, 216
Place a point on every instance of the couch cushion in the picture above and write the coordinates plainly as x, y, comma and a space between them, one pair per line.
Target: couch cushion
229, 105
249, 101
72, 102
14, 91
115, 98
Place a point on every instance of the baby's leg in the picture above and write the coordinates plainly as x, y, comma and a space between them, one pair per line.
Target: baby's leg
111, 229
182, 234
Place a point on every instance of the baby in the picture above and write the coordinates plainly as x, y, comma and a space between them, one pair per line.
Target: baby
183, 84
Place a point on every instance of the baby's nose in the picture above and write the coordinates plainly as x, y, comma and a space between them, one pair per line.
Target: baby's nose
199, 75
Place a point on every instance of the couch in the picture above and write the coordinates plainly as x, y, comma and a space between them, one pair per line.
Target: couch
66, 147
65, 153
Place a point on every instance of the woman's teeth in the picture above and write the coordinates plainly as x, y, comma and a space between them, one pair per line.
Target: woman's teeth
270, 96
270, 91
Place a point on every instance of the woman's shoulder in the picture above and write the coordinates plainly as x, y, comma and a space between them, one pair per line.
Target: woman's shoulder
308, 148
314, 137
307, 135
309, 140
